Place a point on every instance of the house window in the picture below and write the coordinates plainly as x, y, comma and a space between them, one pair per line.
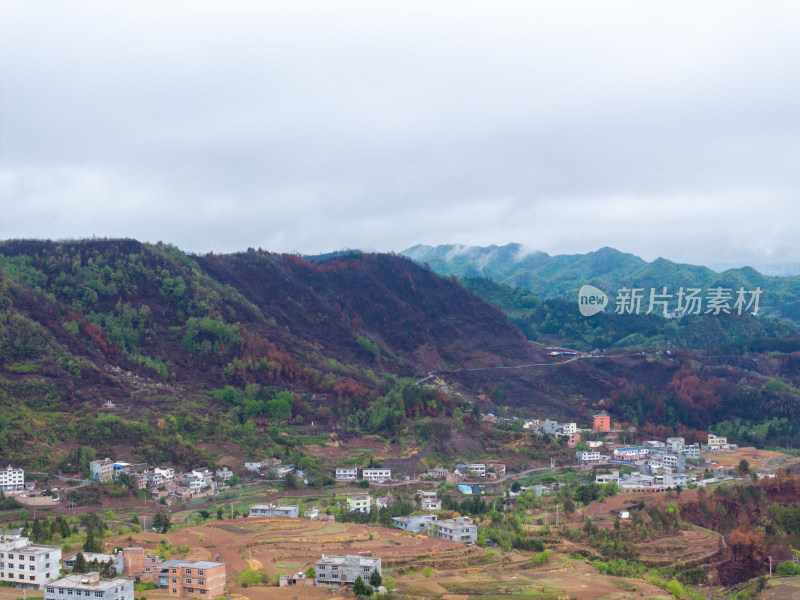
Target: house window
69, 592
188, 580
190, 590
31, 567
51, 590
174, 580
202, 592
188, 571
31, 558
174, 570
201, 572
174, 591
201, 582
98, 594
10, 556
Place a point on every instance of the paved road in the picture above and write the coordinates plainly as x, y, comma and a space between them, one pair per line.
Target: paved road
549, 364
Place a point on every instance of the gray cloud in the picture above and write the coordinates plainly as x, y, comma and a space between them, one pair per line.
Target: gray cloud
667, 130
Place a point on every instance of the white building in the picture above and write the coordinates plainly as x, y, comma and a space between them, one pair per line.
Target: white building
632, 453
28, 565
376, 475
676, 444
459, 529
12, 479
273, 510
101, 470
347, 473
253, 466
691, 452
587, 456
477, 469
90, 585
338, 571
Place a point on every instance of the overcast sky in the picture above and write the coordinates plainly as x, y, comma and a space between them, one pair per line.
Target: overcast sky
663, 129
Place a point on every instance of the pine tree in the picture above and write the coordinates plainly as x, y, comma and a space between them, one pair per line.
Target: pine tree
375, 579
92, 543
80, 565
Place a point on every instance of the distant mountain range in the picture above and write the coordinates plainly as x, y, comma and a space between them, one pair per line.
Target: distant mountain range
561, 276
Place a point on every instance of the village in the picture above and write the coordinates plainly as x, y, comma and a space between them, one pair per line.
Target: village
650, 466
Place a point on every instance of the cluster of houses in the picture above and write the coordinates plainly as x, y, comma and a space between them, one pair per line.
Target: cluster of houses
163, 482
669, 455
273, 468
35, 566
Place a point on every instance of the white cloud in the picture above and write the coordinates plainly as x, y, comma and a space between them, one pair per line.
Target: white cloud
665, 129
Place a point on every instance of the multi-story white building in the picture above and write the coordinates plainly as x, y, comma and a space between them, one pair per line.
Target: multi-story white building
101, 470
376, 475
631, 453
90, 585
588, 456
28, 565
478, 469
338, 571
223, 475
692, 452
347, 473
12, 479
459, 529
675, 444
677, 462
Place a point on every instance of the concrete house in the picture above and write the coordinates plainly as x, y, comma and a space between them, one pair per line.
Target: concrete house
12, 479
203, 579
360, 503
459, 529
101, 470
339, 571
347, 473
415, 523
89, 584
273, 510
27, 565
376, 475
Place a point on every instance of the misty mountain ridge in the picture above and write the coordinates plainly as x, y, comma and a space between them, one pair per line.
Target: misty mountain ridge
562, 275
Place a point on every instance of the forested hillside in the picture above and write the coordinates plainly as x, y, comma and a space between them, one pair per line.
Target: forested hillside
223, 347
561, 276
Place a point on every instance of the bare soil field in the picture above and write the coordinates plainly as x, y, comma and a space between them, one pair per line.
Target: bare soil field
274, 545
761, 460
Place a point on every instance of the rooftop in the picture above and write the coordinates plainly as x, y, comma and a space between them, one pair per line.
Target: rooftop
86, 581
350, 558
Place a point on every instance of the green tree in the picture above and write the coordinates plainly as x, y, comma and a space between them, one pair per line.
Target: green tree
92, 543
360, 588
375, 579
290, 481
161, 522
80, 565
743, 468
